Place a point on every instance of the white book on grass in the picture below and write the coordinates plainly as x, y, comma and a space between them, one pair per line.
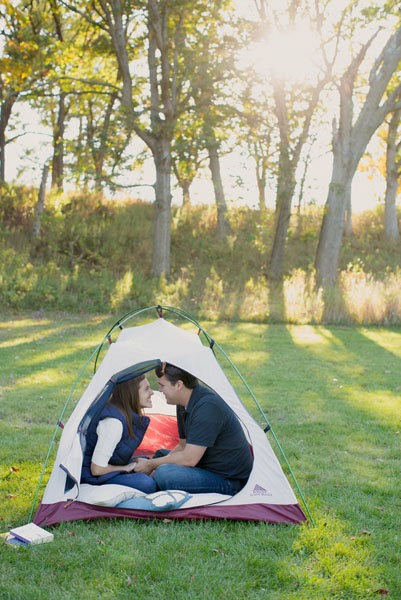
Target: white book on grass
32, 534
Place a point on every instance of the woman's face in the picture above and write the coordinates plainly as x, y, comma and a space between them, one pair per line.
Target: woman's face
145, 394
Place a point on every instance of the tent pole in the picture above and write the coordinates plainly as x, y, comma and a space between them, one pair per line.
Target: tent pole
57, 428
188, 317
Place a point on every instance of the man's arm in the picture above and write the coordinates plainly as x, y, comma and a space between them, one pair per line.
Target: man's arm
179, 446
188, 456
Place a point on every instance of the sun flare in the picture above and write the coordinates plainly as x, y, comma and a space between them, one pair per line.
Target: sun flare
289, 54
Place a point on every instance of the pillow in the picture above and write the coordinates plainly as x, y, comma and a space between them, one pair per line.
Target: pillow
158, 501
106, 494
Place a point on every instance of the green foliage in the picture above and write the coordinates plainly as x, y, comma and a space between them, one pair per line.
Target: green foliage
16, 205
95, 255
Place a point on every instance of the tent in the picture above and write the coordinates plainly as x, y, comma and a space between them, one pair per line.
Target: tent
267, 496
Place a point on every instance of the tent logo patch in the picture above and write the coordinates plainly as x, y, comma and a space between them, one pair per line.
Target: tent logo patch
258, 490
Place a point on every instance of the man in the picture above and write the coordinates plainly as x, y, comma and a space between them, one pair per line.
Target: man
213, 454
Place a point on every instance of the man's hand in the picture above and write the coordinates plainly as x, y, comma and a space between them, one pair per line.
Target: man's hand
130, 468
144, 465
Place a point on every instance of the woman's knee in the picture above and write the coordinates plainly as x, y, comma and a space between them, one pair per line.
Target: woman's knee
147, 485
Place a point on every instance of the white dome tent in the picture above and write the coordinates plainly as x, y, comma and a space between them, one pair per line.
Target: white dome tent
267, 496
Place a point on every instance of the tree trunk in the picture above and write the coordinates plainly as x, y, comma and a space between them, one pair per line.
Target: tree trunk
261, 190
58, 146
37, 219
392, 174
331, 233
186, 198
349, 143
223, 224
5, 113
285, 192
392, 232
162, 218
348, 229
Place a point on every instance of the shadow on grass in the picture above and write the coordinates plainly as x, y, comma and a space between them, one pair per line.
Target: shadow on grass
335, 447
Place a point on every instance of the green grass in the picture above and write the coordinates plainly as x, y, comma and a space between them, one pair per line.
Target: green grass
332, 396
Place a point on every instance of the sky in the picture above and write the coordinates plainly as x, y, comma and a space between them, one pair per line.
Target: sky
292, 53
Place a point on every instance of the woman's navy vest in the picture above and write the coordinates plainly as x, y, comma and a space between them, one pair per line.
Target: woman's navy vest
123, 451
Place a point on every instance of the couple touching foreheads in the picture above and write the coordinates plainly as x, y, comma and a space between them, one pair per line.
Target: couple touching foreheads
213, 454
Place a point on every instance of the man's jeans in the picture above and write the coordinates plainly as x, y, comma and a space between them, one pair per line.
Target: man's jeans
139, 481
191, 479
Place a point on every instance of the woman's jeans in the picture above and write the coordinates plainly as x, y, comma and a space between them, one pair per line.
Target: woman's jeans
139, 481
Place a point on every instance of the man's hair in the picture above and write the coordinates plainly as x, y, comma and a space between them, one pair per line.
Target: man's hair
174, 374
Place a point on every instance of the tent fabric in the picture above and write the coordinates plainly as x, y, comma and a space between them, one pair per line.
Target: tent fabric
267, 496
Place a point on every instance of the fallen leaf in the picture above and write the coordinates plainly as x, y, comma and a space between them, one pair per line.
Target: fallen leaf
100, 542
192, 579
10, 496
364, 532
167, 520
130, 580
382, 591
219, 551
70, 533
14, 469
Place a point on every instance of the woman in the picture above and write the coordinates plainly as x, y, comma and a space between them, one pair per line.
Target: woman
114, 435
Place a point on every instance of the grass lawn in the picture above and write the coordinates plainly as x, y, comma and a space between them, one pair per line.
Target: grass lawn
333, 398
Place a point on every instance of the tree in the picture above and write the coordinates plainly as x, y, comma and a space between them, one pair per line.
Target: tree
22, 63
350, 138
40, 204
187, 155
295, 105
255, 131
59, 126
213, 78
212, 144
167, 30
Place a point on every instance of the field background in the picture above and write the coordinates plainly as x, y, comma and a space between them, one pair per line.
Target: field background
332, 396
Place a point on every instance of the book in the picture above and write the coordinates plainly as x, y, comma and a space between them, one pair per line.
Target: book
31, 534
12, 541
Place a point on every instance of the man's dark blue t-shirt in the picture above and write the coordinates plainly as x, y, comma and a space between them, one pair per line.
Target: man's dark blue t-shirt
209, 421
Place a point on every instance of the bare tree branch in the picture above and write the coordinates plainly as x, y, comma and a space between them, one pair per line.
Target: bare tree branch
83, 15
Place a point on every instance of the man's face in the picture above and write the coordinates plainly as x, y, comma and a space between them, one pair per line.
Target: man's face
169, 390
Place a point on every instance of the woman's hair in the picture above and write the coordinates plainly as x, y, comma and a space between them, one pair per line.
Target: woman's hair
125, 397
174, 374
